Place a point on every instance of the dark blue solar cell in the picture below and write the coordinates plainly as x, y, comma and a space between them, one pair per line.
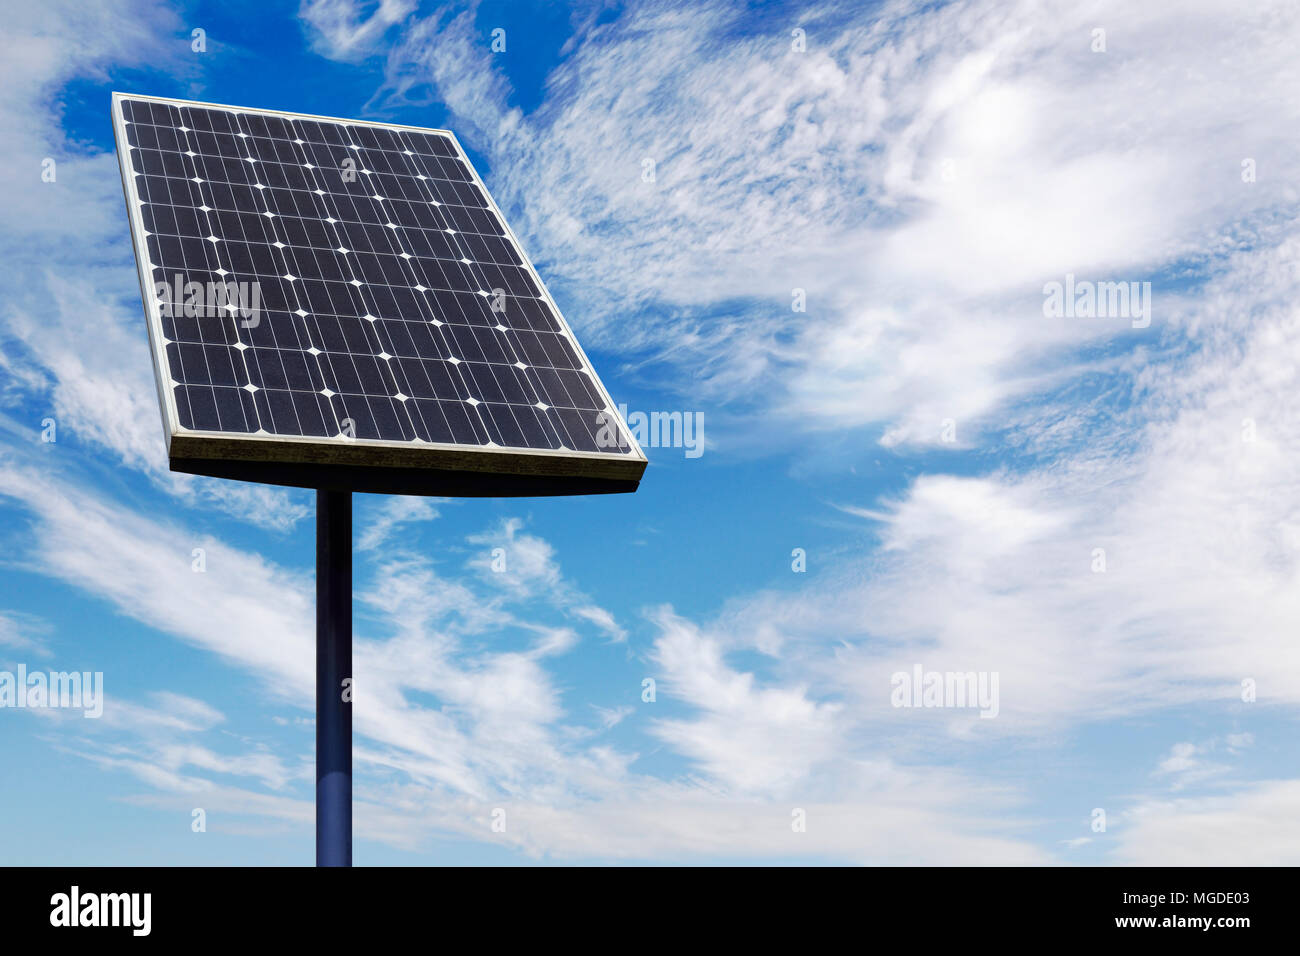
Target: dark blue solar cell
344, 278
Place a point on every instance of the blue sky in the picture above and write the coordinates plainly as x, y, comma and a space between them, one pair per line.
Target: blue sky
949, 457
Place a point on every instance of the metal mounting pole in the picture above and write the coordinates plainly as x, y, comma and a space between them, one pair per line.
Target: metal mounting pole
333, 667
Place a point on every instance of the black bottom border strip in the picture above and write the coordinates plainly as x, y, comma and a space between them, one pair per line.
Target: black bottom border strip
984, 904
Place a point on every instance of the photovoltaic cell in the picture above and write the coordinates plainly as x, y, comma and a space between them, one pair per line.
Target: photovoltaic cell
335, 280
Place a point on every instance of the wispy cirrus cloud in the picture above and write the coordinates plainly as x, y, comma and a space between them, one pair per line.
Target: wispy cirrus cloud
1151, 568
23, 633
500, 734
919, 176
342, 30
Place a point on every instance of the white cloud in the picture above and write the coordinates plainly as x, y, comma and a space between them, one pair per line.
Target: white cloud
396, 511
612, 717
229, 609
745, 737
24, 632
602, 619
524, 566
1191, 764
340, 30
1258, 825
157, 745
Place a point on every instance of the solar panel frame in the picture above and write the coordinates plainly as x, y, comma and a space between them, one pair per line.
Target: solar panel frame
370, 464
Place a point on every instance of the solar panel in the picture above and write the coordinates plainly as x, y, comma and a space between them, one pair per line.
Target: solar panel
337, 303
